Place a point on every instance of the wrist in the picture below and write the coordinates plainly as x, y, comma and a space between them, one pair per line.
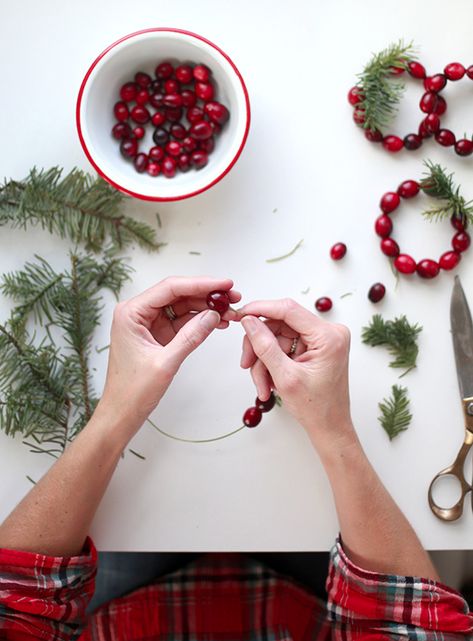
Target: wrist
113, 424
334, 439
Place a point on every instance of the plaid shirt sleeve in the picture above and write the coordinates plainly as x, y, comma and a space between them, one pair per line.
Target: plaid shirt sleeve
44, 597
367, 605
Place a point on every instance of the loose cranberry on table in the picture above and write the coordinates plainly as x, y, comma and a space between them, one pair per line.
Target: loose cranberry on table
323, 304
338, 251
219, 301
376, 292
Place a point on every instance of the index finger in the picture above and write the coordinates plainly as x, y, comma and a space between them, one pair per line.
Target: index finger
170, 289
294, 315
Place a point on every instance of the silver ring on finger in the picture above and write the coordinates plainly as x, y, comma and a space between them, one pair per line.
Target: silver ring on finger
295, 341
170, 313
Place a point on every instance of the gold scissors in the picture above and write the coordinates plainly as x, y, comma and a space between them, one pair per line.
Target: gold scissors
462, 335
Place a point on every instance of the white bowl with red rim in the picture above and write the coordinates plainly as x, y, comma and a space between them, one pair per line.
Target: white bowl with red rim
143, 51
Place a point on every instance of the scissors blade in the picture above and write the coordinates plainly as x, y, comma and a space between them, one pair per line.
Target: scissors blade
462, 335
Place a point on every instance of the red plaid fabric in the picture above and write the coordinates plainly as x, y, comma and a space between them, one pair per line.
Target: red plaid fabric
224, 597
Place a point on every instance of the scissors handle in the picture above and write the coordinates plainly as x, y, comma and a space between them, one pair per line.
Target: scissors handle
456, 469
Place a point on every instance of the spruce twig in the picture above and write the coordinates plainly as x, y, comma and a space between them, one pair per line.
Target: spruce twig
395, 415
398, 335
438, 184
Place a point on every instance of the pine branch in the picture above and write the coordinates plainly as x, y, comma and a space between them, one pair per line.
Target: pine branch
395, 415
77, 206
381, 90
438, 184
399, 337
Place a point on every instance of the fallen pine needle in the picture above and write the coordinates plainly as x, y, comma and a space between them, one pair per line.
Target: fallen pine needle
293, 251
347, 294
136, 454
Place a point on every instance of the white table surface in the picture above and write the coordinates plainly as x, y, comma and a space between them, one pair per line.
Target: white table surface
306, 172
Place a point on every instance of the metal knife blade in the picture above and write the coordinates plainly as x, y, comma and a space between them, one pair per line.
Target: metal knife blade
462, 335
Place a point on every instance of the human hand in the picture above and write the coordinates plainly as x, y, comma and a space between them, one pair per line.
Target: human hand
312, 382
147, 347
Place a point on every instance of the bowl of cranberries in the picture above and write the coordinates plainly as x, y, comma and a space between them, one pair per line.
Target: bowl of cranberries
163, 114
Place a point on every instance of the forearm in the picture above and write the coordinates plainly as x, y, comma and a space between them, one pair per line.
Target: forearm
375, 533
55, 516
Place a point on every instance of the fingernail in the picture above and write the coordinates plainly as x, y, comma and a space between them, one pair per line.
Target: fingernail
250, 325
210, 319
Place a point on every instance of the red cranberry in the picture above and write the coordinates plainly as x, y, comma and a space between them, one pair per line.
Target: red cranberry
396, 71
121, 130
156, 100
428, 102
188, 98
173, 148
168, 167
405, 264
458, 222
207, 145
432, 123
201, 130
161, 136
172, 86
121, 111
199, 159
217, 112
156, 153
173, 114
338, 251
408, 189
412, 141
153, 169
141, 163
469, 72
393, 143
454, 71
204, 91
142, 97
376, 292
373, 135
359, 116
355, 95
449, 260
128, 91
415, 69
423, 131
178, 131
252, 417
143, 79
323, 304
464, 147
383, 226
184, 74
441, 107
266, 406
139, 132
389, 202
461, 241
445, 137
172, 100
216, 128
164, 71
435, 83
184, 162
155, 87
219, 301
195, 114
189, 144
140, 114
201, 73
428, 268
390, 248
158, 119
129, 147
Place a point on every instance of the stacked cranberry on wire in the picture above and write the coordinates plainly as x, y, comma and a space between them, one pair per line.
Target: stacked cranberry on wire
179, 103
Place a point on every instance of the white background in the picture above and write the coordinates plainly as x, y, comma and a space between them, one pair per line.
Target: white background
265, 488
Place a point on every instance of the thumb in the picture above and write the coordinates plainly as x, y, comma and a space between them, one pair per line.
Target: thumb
190, 336
264, 344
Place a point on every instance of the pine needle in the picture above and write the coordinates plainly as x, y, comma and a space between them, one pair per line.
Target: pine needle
438, 184
395, 415
143, 458
381, 90
284, 256
398, 336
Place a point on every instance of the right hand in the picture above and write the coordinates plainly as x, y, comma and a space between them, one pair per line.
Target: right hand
313, 383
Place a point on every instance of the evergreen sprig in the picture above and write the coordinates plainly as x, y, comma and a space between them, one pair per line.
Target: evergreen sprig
77, 206
380, 90
45, 384
438, 184
395, 414
398, 335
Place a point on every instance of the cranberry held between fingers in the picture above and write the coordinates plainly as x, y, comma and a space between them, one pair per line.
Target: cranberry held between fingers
408, 189
266, 406
338, 251
393, 143
120, 111
390, 248
389, 202
449, 260
445, 137
412, 141
128, 91
323, 304
219, 301
427, 268
376, 292
464, 147
454, 71
129, 147
405, 264
383, 225
141, 163
168, 167
140, 114
199, 159
252, 417
461, 241
201, 73
164, 71
121, 130
355, 95
217, 112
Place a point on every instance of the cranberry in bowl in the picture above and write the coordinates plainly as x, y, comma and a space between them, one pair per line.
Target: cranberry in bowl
163, 114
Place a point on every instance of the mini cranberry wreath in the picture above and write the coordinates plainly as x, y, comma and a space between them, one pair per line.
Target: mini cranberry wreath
439, 185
